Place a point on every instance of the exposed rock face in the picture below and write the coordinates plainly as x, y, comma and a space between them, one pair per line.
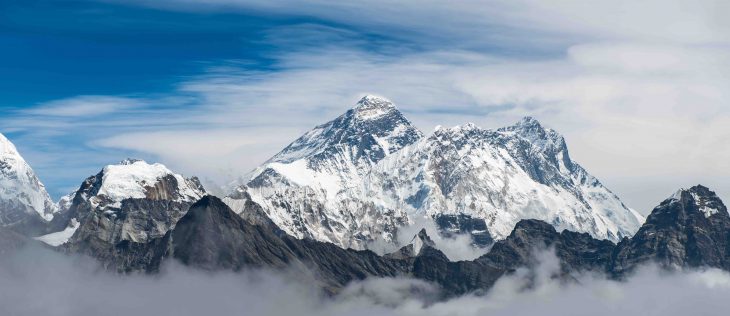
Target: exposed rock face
576, 251
211, 236
696, 212
25, 206
689, 229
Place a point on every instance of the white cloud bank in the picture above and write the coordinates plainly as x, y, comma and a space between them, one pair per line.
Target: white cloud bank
42, 283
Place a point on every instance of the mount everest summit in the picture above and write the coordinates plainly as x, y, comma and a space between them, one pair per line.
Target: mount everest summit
360, 177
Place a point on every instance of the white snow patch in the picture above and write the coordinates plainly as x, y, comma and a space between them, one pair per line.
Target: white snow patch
131, 180
59, 238
706, 210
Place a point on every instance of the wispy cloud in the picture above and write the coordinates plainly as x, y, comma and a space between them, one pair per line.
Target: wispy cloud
85, 106
638, 88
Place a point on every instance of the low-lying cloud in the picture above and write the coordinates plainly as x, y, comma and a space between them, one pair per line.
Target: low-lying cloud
41, 282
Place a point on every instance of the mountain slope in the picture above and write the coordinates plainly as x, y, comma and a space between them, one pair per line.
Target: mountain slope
312, 188
518, 172
132, 201
24, 202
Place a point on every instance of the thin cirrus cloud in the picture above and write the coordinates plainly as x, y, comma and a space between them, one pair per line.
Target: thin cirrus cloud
639, 89
85, 106
677, 21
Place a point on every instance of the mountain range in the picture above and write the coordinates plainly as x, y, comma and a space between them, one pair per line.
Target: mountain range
360, 179
361, 176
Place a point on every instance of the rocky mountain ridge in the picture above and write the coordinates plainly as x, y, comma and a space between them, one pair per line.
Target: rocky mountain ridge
213, 237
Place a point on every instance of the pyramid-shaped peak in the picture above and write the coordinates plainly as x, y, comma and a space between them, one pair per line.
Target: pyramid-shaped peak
423, 235
529, 121
420, 240
370, 100
531, 129
527, 125
372, 107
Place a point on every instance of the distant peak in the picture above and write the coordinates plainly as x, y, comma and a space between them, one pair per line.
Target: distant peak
532, 130
371, 107
698, 190
527, 123
420, 240
458, 128
423, 235
705, 199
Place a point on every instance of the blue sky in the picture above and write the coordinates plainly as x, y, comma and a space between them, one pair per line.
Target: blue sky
213, 88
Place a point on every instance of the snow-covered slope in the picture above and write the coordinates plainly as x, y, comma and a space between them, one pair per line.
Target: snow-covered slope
22, 196
136, 179
132, 201
518, 172
361, 176
313, 188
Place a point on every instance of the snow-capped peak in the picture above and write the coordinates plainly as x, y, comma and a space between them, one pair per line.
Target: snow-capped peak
137, 179
533, 131
322, 171
705, 200
129, 161
372, 107
371, 130
529, 122
21, 192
